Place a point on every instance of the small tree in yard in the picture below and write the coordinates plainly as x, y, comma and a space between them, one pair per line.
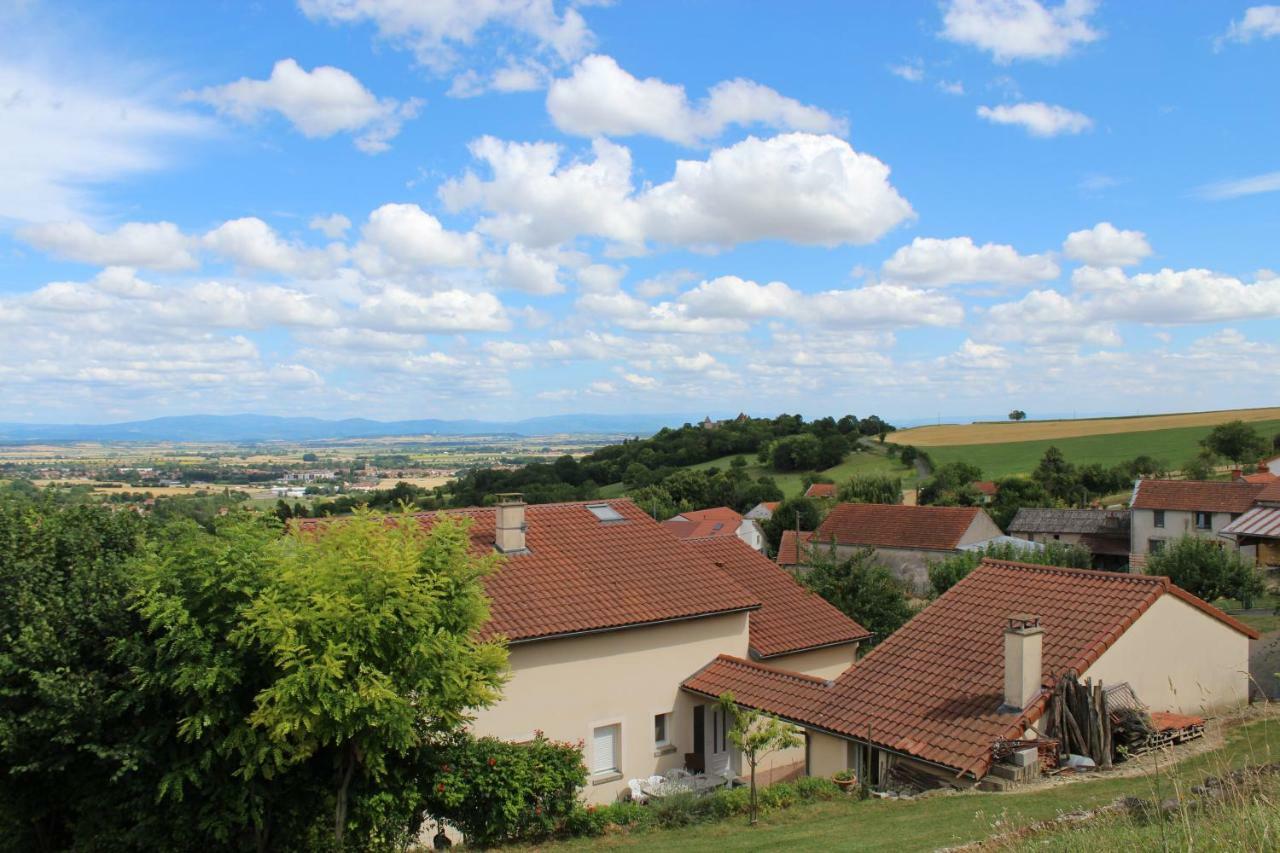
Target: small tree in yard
1203, 567
1237, 441
756, 735
860, 587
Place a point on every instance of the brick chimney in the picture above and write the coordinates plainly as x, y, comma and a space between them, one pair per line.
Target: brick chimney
1023, 640
1236, 474
510, 526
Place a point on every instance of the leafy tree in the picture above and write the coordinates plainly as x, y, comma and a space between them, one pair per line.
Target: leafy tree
946, 573
658, 502
1013, 493
872, 489
792, 514
756, 735
862, 588
1205, 568
1058, 476
310, 457
372, 630
1235, 440
1017, 415
1199, 467
795, 453
952, 485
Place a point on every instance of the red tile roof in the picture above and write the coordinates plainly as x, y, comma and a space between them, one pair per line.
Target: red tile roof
934, 688
788, 694
790, 618
987, 487
581, 574
790, 547
717, 513
1261, 478
935, 528
1270, 493
821, 490
1195, 495
709, 529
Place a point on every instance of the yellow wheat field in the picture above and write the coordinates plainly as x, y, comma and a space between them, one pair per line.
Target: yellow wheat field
1000, 433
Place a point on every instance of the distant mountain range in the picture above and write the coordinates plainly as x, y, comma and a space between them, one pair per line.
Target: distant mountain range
250, 428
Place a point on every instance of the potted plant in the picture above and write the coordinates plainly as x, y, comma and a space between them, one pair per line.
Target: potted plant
846, 779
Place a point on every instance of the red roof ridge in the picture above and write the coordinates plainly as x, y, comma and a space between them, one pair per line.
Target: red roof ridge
764, 668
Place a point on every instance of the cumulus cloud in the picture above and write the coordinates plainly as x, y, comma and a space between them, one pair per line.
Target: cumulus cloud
807, 189
884, 305
1038, 118
730, 296
1047, 317
215, 304
931, 262
333, 226
1020, 29
530, 271
250, 243
912, 72
1176, 296
1259, 22
1104, 245
154, 245
399, 309
436, 31
318, 103
405, 238
601, 98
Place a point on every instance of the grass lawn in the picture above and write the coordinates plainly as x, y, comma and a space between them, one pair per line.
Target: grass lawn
898, 826
1171, 446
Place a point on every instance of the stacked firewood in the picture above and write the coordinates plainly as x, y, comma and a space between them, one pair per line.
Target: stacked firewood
1078, 719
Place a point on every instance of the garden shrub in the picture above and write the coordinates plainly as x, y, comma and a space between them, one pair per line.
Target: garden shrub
810, 788
779, 795
683, 809
494, 791
729, 802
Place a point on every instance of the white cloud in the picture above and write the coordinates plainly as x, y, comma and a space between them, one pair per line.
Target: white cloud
730, 296
880, 305
600, 278
1104, 245
435, 30
405, 238
155, 245
638, 316
333, 226
214, 304
1045, 317
912, 72
399, 309
951, 87
1038, 118
601, 98
67, 296
251, 243
807, 189
645, 383
1259, 22
123, 282
1020, 29
664, 283
318, 103
62, 138
1268, 182
527, 270
1176, 296
932, 262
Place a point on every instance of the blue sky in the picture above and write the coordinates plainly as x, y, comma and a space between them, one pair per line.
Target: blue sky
520, 207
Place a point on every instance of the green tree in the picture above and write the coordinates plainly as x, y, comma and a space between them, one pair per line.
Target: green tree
946, 573
372, 630
756, 735
862, 588
1237, 441
1017, 415
793, 513
952, 485
795, 453
1058, 476
872, 489
1199, 467
1205, 568
1013, 493
310, 457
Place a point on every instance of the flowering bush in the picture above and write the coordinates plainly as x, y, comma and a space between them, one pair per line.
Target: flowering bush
494, 791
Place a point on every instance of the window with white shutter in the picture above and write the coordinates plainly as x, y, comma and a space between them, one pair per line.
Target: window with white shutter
604, 749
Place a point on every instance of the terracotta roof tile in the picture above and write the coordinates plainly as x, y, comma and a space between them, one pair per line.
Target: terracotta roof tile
934, 688
754, 685
1261, 478
987, 487
790, 548
790, 618
708, 529
935, 528
1195, 495
821, 490
717, 513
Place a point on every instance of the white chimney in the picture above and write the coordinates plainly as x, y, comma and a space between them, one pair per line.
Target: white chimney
510, 526
1023, 641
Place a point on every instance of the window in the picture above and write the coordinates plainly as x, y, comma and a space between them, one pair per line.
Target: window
661, 726
604, 512
1155, 546
1159, 518
1204, 520
604, 750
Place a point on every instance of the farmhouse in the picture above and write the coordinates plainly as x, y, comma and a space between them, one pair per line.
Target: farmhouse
906, 538
793, 549
1166, 510
978, 668
762, 511
821, 491
606, 614
714, 523
1103, 533
1259, 528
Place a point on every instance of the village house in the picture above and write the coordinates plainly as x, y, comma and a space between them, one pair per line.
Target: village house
1162, 511
714, 523
821, 491
1271, 466
1104, 533
1258, 529
793, 550
906, 538
976, 668
762, 511
606, 614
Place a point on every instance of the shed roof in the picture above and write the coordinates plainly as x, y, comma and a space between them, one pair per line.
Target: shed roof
935, 528
1101, 522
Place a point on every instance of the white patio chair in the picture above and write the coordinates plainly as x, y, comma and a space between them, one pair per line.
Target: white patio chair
678, 774
656, 781
637, 791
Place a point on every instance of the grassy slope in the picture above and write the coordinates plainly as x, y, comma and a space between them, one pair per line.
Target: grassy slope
899, 826
1172, 446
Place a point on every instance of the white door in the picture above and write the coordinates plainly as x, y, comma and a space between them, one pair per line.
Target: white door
716, 746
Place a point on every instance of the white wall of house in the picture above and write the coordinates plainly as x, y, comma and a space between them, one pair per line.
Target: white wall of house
1272, 465
1143, 529
571, 687
826, 662
1179, 658
750, 532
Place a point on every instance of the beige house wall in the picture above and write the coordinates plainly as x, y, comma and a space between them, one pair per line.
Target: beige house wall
912, 564
825, 663
567, 687
1178, 658
1177, 524
827, 754
982, 529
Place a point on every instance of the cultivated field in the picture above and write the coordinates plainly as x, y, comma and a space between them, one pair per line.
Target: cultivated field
991, 432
